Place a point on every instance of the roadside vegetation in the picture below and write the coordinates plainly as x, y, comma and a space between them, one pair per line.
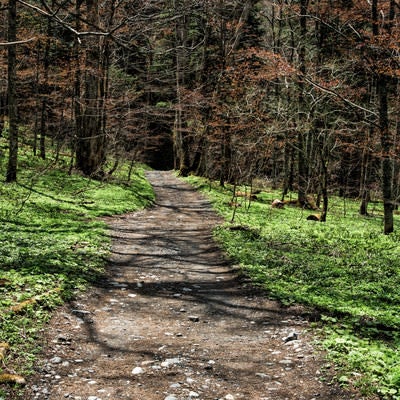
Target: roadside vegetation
345, 269
53, 243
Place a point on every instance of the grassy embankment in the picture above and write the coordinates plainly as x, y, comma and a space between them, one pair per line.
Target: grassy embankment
52, 243
345, 268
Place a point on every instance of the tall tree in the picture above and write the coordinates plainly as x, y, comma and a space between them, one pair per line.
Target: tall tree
302, 111
11, 175
90, 150
385, 134
181, 140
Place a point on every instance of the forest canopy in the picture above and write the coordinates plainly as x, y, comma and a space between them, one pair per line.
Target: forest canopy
303, 93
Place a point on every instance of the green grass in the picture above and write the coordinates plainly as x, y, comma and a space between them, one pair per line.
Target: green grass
345, 268
53, 243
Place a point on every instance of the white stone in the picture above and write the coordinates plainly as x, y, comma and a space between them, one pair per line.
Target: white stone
137, 371
170, 361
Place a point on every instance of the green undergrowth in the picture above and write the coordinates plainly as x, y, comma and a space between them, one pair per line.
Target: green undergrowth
344, 268
53, 243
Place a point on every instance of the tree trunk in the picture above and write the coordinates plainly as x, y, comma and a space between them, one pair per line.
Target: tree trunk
301, 136
226, 157
365, 178
324, 186
386, 140
387, 163
11, 174
90, 151
43, 114
181, 139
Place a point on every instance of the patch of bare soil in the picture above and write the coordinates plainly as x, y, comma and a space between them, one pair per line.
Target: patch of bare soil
174, 322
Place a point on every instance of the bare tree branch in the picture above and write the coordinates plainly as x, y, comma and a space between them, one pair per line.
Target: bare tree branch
344, 99
61, 22
18, 42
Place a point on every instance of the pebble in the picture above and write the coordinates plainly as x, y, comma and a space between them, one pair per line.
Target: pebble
261, 375
170, 397
290, 337
119, 284
56, 360
83, 312
137, 371
170, 361
175, 386
286, 362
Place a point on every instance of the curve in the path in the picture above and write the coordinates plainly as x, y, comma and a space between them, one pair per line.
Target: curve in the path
174, 322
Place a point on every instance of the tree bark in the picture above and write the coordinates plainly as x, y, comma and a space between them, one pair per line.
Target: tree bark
11, 174
301, 136
387, 163
386, 140
181, 140
43, 114
90, 152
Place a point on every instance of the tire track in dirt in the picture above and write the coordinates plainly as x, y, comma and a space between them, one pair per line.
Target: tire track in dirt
174, 322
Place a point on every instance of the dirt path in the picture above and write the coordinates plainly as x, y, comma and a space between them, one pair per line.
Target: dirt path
174, 322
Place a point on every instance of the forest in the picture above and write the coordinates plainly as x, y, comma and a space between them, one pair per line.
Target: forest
301, 93
292, 101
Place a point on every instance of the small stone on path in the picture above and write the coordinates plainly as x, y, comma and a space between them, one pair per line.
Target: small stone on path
171, 397
137, 371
